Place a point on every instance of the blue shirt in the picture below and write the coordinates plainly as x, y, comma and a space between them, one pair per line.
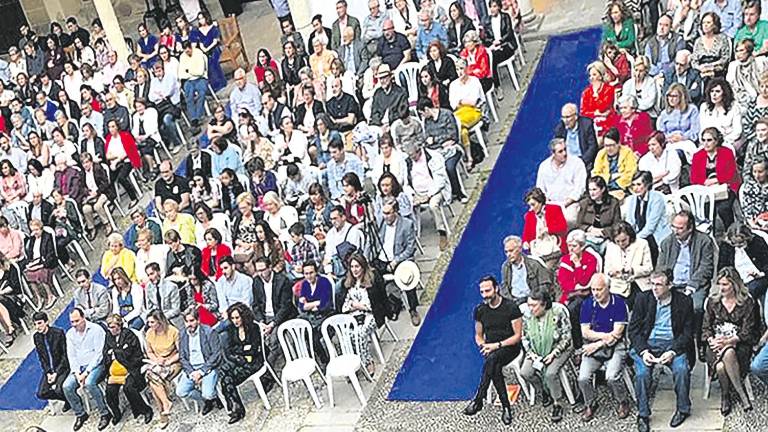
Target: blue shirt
663, 63
731, 15
248, 98
239, 289
334, 171
227, 159
602, 319
572, 141
84, 350
519, 282
682, 270
196, 358
424, 37
662, 327
687, 123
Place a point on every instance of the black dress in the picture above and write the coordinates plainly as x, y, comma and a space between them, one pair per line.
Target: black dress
12, 300
242, 358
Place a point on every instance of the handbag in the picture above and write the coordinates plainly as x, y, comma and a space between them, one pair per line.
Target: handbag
547, 245
604, 354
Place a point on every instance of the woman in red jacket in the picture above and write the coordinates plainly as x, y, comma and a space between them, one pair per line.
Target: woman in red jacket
635, 127
122, 156
543, 224
576, 270
213, 252
478, 60
716, 165
597, 99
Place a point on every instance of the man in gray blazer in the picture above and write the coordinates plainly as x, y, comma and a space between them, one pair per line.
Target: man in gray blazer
92, 298
352, 53
164, 294
398, 241
689, 254
200, 353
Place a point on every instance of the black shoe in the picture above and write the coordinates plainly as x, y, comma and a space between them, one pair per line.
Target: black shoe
725, 405
148, 416
678, 419
546, 399
236, 417
79, 422
473, 408
506, 415
643, 425
104, 422
702, 353
117, 417
217, 403
557, 413
66, 407
207, 407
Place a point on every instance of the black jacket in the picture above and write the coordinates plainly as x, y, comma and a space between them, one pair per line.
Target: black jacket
98, 145
757, 251
57, 346
118, 113
236, 350
644, 317
447, 71
191, 257
456, 41
693, 83
301, 110
47, 250
46, 209
282, 299
124, 348
72, 111
587, 139
507, 36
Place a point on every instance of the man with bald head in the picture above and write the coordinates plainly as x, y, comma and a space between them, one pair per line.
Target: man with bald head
393, 47
662, 47
245, 95
683, 73
579, 134
351, 52
342, 107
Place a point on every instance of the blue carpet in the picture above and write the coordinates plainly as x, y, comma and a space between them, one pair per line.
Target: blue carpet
444, 363
18, 393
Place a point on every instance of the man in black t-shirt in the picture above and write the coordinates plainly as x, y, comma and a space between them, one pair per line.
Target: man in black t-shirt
498, 331
171, 186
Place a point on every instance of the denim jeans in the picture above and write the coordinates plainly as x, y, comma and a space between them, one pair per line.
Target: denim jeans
92, 389
168, 131
186, 387
759, 366
194, 94
644, 374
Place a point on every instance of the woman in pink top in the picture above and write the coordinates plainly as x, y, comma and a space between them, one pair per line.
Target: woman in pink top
12, 184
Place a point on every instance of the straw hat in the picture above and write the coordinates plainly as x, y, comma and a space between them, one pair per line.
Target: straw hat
407, 275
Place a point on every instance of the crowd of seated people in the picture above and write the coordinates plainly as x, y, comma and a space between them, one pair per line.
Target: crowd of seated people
305, 185
620, 263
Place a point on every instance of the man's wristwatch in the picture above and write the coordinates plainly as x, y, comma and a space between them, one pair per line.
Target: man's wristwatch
500, 345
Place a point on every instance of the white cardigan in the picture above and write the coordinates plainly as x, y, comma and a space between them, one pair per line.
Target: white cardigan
636, 257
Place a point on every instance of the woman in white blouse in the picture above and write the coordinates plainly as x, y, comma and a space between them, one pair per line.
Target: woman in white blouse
628, 262
72, 80
389, 159
170, 63
290, 144
466, 97
127, 298
720, 110
642, 86
39, 180
405, 19
664, 164
744, 72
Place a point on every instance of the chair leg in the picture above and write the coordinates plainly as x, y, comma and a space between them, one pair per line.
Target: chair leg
445, 221
419, 246
707, 382
57, 286
513, 75
286, 401
377, 347
312, 392
330, 391
630, 385
389, 330
747, 388
262, 393
567, 387
480, 139
81, 253
274, 375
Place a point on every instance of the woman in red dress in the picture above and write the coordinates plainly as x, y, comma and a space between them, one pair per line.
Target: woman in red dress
264, 61
543, 221
212, 253
598, 98
635, 127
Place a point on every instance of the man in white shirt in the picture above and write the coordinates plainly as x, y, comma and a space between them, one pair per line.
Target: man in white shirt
113, 68
233, 286
341, 231
563, 179
193, 73
245, 95
94, 118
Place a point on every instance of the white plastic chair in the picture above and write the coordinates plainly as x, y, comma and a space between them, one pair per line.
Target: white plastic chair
295, 337
56, 284
510, 65
409, 81
265, 367
347, 362
701, 201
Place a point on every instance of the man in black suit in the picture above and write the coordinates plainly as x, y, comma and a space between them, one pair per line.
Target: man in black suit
272, 302
578, 133
684, 74
51, 346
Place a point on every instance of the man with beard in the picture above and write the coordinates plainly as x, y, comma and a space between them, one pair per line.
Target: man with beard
498, 331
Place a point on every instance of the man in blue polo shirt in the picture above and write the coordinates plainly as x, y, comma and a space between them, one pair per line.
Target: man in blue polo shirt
603, 319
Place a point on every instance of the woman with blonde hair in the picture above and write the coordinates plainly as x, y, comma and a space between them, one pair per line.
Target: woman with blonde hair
731, 328
755, 109
597, 99
163, 365
127, 299
244, 235
679, 121
279, 216
182, 223
118, 256
642, 86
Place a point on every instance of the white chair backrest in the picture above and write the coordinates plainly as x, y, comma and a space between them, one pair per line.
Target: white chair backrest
701, 201
345, 328
295, 337
77, 210
156, 220
245, 181
142, 340
407, 76
597, 256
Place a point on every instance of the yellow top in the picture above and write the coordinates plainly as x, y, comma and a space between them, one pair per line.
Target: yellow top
125, 259
184, 225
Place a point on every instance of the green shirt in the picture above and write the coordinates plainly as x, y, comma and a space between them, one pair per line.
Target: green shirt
626, 37
759, 35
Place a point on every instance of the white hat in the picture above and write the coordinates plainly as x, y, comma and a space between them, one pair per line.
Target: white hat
407, 275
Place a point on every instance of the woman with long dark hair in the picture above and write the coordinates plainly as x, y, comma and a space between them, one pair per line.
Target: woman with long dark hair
430, 87
201, 291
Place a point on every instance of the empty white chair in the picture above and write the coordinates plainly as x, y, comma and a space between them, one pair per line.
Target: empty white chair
346, 362
407, 76
295, 337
